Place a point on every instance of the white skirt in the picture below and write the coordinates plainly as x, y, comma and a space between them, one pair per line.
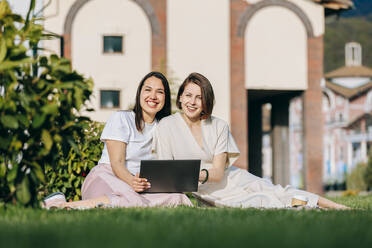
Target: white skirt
241, 189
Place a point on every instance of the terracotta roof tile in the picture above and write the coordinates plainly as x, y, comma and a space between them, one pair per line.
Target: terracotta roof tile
350, 71
358, 118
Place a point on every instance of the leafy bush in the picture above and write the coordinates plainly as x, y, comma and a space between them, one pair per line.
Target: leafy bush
368, 172
70, 173
40, 100
355, 180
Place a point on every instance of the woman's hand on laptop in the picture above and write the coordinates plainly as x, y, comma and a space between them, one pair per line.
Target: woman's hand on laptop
139, 184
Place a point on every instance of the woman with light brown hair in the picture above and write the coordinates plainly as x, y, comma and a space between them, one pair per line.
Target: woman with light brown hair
196, 134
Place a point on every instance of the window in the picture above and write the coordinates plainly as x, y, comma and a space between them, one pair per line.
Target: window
110, 98
340, 117
113, 44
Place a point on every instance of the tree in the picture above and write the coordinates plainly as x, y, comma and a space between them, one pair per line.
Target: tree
40, 101
338, 33
368, 172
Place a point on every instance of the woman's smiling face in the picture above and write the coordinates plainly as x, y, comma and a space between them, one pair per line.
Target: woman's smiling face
152, 97
191, 101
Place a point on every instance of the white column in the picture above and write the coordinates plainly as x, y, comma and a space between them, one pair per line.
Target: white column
349, 155
333, 158
363, 151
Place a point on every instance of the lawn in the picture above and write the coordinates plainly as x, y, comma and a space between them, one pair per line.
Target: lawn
189, 227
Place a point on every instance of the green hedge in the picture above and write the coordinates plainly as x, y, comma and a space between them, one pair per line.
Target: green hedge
355, 180
69, 174
368, 171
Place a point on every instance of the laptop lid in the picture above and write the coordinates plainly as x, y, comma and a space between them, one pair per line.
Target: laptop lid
171, 176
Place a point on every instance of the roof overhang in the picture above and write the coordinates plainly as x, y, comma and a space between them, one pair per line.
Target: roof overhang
335, 6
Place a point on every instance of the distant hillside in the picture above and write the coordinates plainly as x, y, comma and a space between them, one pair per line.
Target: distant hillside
362, 8
344, 30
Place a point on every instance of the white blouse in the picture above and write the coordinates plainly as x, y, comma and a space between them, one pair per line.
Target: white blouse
121, 126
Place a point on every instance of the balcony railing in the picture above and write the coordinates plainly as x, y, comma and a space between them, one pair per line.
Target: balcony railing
359, 137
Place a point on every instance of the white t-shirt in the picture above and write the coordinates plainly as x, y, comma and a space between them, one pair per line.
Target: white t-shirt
122, 127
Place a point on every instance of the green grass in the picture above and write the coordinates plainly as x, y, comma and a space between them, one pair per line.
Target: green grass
189, 227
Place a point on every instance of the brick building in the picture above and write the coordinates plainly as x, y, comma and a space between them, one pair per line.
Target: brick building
347, 111
253, 51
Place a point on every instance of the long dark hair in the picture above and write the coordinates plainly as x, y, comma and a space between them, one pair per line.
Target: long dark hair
165, 111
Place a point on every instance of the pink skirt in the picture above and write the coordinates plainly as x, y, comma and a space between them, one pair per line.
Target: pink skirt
101, 181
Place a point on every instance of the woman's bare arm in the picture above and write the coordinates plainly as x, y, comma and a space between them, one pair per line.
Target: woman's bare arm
117, 153
217, 171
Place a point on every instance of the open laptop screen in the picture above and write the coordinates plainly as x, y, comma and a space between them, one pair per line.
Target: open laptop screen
171, 176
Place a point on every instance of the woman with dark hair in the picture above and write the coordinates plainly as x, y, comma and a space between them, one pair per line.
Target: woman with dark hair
195, 134
128, 137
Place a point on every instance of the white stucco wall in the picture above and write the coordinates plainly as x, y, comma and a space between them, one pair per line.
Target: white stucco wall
199, 41
275, 50
112, 71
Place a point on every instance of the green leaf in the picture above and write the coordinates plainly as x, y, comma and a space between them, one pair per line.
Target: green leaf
16, 18
67, 85
68, 124
23, 192
23, 120
50, 109
2, 49
18, 52
47, 139
78, 96
63, 68
2, 170
54, 59
5, 141
10, 105
31, 8
73, 145
9, 121
76, 184
10, 64
16, 145
38, 172
57, 138
12, 174
38, 120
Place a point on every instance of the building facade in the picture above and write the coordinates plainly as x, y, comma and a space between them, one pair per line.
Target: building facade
347, 111
253, 51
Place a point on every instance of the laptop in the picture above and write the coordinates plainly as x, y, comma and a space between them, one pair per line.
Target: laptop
171, 176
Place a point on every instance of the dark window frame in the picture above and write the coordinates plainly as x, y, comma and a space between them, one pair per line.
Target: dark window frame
100, 98
113, 35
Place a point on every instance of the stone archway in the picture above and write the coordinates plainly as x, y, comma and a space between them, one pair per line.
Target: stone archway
250, 11
155, 11
241, 13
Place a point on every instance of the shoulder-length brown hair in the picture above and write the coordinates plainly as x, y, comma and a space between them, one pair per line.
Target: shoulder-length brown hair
207, 94
165, 111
